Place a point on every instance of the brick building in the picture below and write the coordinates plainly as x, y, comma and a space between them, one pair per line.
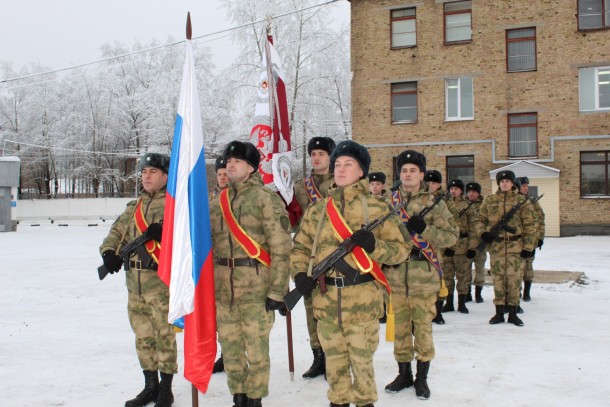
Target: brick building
482, 85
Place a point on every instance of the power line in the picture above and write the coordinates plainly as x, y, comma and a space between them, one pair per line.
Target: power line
127, 153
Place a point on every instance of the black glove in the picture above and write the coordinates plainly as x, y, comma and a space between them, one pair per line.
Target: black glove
416, 224
487, 237
448, 253
540, 243
273, 305
364, 239
112, 262
304, 283
471, 254
154, 231
526, 254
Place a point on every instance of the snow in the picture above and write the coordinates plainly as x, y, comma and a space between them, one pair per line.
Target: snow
65, 339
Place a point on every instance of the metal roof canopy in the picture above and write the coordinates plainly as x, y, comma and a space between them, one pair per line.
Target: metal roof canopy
525, 168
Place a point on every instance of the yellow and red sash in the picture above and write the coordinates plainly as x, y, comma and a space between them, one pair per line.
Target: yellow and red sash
361, 258
252, 249
152, 246
312, 191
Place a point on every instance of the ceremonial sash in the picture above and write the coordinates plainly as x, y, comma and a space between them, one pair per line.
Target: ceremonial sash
152, 246
252, 249
312, 192
417, 240
342, 231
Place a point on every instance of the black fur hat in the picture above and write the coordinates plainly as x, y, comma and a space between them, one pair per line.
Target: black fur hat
524, 180
473, 186
509, 175
377, 176
243, 151
456, 183
220, 163
433, 176
411, 157
354, 150
321, 143
156, 160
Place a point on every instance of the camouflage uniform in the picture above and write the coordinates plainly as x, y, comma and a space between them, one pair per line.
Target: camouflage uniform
456, 266
215, 192
528, 275
480, 258
504, 252
415, 284
148, 296
348, 325
243, 323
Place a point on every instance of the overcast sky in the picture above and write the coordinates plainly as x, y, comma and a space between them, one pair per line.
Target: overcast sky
63, 33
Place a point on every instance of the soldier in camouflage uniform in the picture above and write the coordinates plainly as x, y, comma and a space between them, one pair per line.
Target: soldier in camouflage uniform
148, 296
473, 189
318, 182
377, 184
416, 283
248, 286
528, 275
348, 312
507, 251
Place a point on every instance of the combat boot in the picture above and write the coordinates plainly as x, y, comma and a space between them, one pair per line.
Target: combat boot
404, 379
166, 397
421, 380
499, 317
462, 304
254, 403
150, 392
512, 316
469, 293
240, 400
448, 307
438, 319
219, 365
477, 294
527, 285
318, 367
338, 405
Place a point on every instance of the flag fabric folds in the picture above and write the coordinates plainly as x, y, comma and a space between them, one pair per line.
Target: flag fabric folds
186, 264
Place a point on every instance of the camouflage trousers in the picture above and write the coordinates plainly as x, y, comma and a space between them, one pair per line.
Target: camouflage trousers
506, 270
528, 269
155, 338
413, 313
243, 333
312, 323
456, 268
479, 268
349, 352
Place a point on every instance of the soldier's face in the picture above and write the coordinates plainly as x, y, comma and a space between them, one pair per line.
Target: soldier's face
524, 189
505, 185
455, 192
473, 195
320, 161
153, 179
375, 187
434, 186
347, 171
411, 177
222, 178
238, 170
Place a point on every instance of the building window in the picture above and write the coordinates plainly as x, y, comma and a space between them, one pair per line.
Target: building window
403, 28
521, 49
458, 21
593, 14
404, 102
594, 88
522, 135
460, 167
594, 169
459, 100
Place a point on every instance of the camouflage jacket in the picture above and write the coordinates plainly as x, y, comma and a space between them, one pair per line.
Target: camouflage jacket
474, 238
465, 220
322, 182
138, 281
262, 215
215, 192
524, 222
362, 302
541, 224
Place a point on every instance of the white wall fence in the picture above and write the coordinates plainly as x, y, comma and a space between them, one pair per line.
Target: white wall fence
69, 209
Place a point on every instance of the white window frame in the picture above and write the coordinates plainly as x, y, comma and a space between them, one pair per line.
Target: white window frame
460, 99
589, 98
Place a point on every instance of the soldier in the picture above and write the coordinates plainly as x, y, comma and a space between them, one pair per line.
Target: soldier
507, 250
348, 312
528, 275
473, 190
148, 296
377, 184
416, 283
309, 191
251, 243
455, 263
220, 167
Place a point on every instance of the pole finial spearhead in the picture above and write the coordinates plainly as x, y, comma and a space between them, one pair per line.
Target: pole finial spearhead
189, 29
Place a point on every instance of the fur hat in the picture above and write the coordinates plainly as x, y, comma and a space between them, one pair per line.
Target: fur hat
524, 180
473, 186
321, 143
433, 176
411, 157
156, 160
352, 149
220, 163
377, 176
456, 183
509, 175
243, 151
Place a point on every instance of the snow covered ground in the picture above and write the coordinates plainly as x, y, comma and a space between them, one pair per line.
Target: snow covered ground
65, 339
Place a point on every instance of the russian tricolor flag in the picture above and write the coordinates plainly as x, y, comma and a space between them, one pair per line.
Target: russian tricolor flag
186, 264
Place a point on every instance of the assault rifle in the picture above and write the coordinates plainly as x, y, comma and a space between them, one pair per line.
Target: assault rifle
136, 245
503, 223
460, 213
537, 198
